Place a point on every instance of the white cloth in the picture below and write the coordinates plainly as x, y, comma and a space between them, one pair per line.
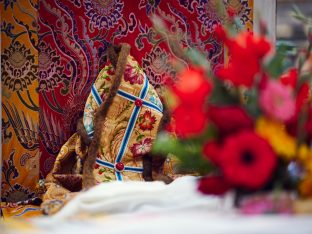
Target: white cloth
156, 208
137, 196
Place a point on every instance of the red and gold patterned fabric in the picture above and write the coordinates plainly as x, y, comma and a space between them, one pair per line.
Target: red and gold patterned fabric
73, 38
52, 51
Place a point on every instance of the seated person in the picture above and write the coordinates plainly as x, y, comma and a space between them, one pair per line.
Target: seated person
122, 116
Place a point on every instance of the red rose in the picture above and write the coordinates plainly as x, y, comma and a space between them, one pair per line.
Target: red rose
192, 87
247, 160
229, 119
213, 185
189, 120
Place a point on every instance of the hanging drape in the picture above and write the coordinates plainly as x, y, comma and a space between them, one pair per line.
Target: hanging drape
51, 52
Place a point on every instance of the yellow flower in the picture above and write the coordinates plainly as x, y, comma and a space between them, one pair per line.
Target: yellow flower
304, 156
303, 153
275, 133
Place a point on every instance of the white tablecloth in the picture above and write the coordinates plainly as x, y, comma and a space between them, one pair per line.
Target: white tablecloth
140, 207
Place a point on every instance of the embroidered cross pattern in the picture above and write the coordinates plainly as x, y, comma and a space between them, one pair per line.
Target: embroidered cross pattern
139, 102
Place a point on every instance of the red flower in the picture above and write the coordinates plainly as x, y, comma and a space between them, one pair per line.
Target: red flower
302, 99
290, 78
189, 120
264, 79
246, 51
302, 96
229, 119
211, 151
192, 87
247, 160
213, 185
147, 120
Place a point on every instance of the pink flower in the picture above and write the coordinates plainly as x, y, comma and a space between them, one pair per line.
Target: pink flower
277, 101
142, 147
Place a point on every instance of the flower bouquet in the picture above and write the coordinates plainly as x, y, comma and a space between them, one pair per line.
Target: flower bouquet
247, 126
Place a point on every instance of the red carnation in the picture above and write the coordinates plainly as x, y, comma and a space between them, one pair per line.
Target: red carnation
189, 120
213, 185
192, 87
230, 119
246, 52
247, 160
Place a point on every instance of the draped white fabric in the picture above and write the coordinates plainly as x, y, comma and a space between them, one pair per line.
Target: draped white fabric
154, 208
138, 197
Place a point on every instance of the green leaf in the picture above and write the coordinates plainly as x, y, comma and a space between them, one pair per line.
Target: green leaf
297, 14
280, 62
210, 133
223, 94
107, 177
189, 152
166, 144
140, 137
252, 105
102, 170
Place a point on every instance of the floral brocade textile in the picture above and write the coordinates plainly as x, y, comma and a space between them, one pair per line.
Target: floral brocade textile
122, 112
51, 53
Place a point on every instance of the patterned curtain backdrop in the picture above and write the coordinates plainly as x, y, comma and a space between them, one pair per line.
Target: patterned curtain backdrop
71, 38
20, 99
